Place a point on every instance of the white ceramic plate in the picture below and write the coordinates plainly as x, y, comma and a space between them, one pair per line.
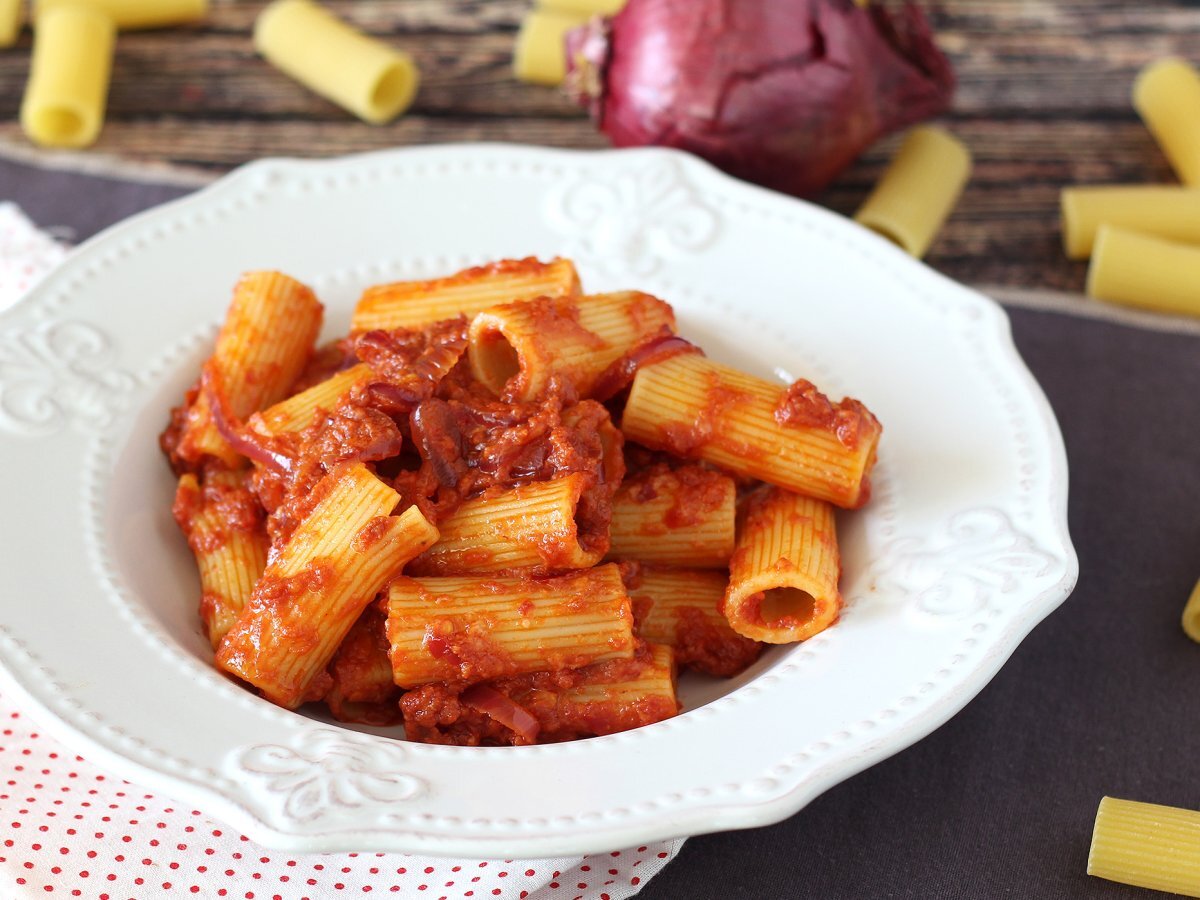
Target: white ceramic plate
963, 549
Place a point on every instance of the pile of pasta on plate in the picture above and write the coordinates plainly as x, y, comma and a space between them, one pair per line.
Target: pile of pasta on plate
501, 511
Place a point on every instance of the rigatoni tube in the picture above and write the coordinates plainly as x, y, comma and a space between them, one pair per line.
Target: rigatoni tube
224, 527
918, 190
263, 345
67, 90
683, 517
415, 304
539, 55
299, 411
682, 608
606, 698
1146, 845
1191, 614
792, 437
515, 349
131, 15
10, 22
314, 590
1167, 97
362, 75
783, 578
533, 526
1143, 271
470, 629
1165, 211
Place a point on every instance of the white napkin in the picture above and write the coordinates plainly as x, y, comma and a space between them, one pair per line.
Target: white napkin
75, 831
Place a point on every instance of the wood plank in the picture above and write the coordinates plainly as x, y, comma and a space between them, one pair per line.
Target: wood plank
1043, 102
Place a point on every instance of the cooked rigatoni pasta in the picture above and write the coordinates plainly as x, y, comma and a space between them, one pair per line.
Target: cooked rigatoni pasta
1165, 211
476, 628
130, 15
1143, 271
783, 578
224, 528
318, 584
793, 437
298, 411
679, 517
267, 338
415, 304
533, 526
605, 698
918, 190
1147, 845
484, 613
67, 90
1167, 97
516, 348
682, 608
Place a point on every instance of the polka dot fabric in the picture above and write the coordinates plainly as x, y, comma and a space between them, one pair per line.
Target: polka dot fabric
26, 254
73, 830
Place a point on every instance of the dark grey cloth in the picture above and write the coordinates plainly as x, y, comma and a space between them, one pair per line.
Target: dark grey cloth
1100, 699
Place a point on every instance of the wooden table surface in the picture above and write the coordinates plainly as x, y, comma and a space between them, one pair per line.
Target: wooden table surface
1043, 101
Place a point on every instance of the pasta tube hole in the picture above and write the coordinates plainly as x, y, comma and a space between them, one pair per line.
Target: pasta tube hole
393, 91
786, 607
495, 360
59, 125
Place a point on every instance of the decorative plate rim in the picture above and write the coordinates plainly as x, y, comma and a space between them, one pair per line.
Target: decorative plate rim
989, 325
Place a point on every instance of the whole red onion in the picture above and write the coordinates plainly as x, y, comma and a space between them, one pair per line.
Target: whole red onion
785, 93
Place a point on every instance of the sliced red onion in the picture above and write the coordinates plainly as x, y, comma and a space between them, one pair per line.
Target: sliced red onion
244, 440
619, 375
503, 709
785, 93
435, 431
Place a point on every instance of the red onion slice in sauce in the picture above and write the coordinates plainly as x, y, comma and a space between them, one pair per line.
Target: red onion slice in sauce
504, 710
619, 375
243, 440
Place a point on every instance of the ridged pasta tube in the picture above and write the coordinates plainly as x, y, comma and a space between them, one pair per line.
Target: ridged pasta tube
1161, 210
1147, 845
227, 535
132, 15
263, 345
918, 190
318, 584
683, 517
515, 349
470, 629
539, 55
360, 74
783, 578
67, 91
682, 608
415, 304
1143, 271
10, 22
299, 411
533, 526
1167, 97
695, 408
